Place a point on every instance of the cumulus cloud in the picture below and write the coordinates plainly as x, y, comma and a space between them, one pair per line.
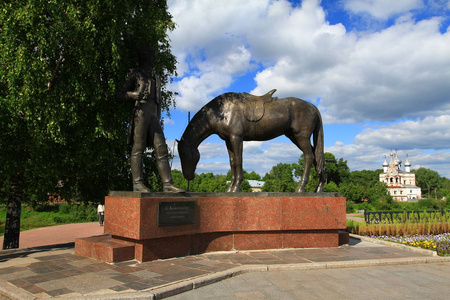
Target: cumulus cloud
381, 76
429, 133
381, 9
392, 76
371, 157
397, 72
358, 156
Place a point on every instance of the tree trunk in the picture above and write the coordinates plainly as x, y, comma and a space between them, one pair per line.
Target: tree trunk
12, 224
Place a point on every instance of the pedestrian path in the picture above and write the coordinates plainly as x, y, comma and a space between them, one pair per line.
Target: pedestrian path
417, 281
59, 234
56, 272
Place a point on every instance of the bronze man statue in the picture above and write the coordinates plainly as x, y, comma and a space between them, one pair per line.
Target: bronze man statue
143, 88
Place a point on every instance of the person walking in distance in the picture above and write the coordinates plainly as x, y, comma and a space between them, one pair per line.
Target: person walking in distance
142, 88
101, 213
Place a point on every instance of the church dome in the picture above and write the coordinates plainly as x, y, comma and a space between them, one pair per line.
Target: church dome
407, 163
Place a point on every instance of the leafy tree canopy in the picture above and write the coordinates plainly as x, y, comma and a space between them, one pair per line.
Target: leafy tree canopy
280, 179
204, 182
61, 63
364, 177
428, 180
336, 171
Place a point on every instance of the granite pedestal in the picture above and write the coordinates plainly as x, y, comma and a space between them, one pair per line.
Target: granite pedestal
149, 226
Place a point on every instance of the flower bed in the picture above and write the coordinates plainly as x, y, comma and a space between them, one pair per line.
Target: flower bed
439, 242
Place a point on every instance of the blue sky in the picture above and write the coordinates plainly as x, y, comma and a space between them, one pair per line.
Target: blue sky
378, 70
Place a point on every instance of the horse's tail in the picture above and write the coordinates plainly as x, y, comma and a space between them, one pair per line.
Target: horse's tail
319, 146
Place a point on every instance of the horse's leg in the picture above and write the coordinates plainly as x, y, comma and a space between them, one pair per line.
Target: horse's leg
322, 178
234, 147
303, 142
232, 166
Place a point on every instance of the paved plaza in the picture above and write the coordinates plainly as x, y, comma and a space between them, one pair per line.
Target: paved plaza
417, 281
364, 269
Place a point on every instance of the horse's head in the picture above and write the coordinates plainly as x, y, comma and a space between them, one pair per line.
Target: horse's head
189, 157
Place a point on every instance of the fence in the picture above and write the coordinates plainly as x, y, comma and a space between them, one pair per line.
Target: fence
376, 217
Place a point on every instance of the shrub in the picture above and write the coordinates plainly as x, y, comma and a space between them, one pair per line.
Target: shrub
64, 208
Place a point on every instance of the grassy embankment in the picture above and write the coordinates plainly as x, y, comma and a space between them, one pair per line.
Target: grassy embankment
49, 215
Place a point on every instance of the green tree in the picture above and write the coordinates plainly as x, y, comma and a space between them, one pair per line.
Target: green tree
331, 187
202, 183
249, 176
179, 180
428, 180
210, 183
61, 63
280, 179
353, 192
365, 178
245, 186
365, 184
337, 171
252, 175
378, 193
445, 188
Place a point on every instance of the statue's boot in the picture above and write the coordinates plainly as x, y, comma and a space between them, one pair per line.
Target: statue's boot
138, 174
162, 162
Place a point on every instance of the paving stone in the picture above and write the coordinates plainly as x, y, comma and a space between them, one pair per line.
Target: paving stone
145, 274
59, 273
142, 285
59, 292
17, 274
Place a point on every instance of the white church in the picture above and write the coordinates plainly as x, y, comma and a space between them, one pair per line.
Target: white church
401, 184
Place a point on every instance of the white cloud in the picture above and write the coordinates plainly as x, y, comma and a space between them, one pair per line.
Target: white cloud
429, 133
364, 157
391, 76
254, 147
212, 150
358, 156
381, 76
381, 9
210, 46
216, 167
168, 122
399, 72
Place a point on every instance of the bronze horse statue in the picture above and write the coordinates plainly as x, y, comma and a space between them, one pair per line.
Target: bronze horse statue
238, 117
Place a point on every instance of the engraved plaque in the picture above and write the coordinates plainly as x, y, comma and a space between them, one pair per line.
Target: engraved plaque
172, 213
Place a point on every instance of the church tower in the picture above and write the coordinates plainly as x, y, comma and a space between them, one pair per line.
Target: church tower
385, 165
401, 184
407, 165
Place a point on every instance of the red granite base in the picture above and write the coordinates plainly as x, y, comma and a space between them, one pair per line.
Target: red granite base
105, 248
222, 222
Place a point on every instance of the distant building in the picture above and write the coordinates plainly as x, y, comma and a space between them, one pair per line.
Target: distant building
256, 185
401, 184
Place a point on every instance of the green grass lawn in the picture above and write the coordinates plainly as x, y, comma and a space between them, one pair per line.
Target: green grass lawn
49, 215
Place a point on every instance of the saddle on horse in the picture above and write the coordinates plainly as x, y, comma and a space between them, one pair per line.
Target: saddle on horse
254, 105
